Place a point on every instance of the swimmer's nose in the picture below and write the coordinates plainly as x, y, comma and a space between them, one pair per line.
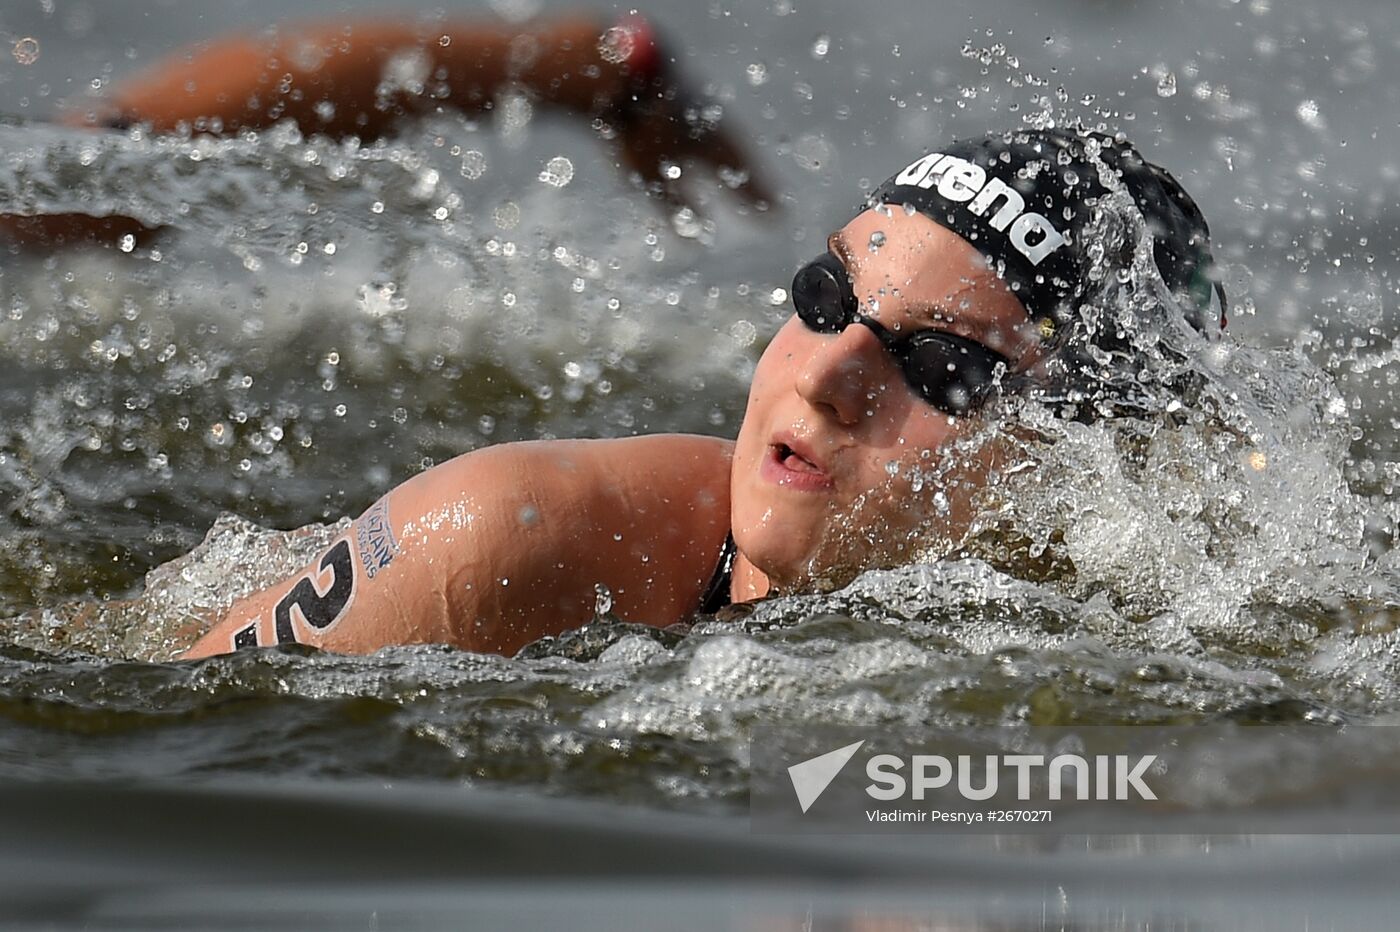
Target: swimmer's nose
846, 374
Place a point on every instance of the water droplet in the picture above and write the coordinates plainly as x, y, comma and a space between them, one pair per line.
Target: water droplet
405, 71
757, 73
1166, 85
616, 45
602, 599
743, 332
820, 46
507, 216
877, 239
26, 50
558, 172
127, 244
670, 170
812, 151
473, 164
1309, 114
687, 223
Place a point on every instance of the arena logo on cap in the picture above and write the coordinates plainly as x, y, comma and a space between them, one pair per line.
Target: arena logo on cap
962, 181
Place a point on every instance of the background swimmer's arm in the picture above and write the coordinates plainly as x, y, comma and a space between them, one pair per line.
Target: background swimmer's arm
356, 78
499, 547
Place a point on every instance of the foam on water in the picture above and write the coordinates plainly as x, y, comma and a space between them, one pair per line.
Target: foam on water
312, 300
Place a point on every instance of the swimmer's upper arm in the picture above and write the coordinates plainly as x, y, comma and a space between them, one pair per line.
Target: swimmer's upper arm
645, 517
504, 545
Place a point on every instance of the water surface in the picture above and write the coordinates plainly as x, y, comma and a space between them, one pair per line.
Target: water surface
185, 421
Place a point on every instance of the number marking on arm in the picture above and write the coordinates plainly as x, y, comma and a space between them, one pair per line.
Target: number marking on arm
320, 610
246, 637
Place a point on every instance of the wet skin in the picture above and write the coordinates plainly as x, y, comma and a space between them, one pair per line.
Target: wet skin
819, 485
504, 545
812, 497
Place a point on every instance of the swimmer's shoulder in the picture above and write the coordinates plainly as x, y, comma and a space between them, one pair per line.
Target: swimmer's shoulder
645, 486
684, 467
655, 457
647, 517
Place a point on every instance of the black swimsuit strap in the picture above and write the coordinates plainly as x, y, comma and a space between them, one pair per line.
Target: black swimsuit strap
716, 594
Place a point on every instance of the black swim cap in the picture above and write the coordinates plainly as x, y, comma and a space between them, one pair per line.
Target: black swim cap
1026, 200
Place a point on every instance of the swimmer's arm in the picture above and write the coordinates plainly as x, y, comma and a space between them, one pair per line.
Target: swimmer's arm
328, 78
359, 77
502, 546
356, 77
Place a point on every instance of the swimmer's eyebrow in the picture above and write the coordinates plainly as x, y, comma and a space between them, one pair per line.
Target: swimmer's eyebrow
931, 314
978, 330
936, 316
940, 317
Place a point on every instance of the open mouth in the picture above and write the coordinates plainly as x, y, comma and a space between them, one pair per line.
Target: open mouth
793, 460
793, 468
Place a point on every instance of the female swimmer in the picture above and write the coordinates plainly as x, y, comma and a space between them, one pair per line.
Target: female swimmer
982, 261
964, 277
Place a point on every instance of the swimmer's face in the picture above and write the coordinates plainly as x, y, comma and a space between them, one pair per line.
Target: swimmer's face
835, 439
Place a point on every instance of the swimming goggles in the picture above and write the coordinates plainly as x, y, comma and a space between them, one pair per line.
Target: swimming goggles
952, 373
